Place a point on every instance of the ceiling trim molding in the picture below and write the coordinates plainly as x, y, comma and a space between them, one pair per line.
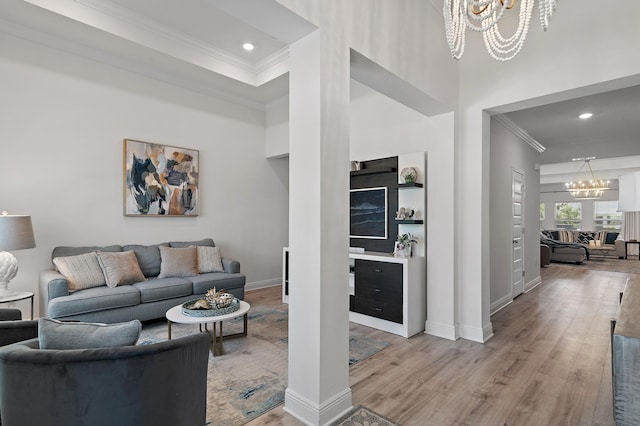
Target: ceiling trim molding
131, 26
75, 48
519, 132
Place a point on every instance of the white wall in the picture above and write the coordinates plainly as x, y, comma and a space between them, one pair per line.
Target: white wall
62, 122
381, 127
277, 128
563, 62
508, 152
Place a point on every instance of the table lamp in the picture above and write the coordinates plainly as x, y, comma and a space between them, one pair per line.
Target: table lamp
16, 233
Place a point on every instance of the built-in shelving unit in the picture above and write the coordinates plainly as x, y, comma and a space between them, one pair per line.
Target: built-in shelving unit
373, 171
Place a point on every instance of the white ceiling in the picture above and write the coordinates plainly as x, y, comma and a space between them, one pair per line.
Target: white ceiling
612, 131
197, 44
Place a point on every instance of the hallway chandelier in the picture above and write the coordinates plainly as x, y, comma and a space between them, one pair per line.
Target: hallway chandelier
483, 16
587, 190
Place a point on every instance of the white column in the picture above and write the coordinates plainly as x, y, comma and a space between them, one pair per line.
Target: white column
318, 389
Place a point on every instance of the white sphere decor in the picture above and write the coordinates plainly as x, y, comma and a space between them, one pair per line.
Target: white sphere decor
8, 269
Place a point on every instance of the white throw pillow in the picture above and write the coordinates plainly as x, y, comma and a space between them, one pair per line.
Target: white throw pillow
209, 259
81, 271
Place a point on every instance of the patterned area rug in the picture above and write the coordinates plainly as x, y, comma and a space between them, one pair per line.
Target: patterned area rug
250, 378
361, 416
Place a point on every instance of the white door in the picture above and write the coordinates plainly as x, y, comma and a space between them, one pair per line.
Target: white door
517, 235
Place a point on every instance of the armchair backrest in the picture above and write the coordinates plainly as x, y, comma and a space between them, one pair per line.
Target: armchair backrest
158, 384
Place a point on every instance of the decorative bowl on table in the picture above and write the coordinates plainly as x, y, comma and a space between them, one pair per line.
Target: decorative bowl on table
219, 299
202, 308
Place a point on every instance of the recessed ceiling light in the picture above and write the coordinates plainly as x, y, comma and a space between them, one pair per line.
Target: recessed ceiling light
585, 115
248, 47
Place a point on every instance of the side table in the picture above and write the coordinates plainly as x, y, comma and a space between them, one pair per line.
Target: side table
626, 247
14, 296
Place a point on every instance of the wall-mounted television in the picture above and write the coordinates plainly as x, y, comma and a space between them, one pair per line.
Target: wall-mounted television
368, 213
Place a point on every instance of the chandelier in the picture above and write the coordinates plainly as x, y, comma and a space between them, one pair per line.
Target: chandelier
483, 16
587, 190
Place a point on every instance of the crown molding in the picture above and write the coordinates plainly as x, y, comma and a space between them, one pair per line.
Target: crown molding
136, 28
76, 48
519, 132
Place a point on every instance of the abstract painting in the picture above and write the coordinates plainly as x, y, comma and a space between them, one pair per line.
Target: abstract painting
368, 213
160, 180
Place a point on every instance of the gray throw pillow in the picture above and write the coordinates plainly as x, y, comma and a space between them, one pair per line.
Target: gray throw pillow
53, 334
178, 262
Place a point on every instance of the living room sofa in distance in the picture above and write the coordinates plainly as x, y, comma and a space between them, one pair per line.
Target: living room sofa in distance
121, 283
573, 246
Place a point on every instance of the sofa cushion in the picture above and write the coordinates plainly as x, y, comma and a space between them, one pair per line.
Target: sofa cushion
82, 271
64, 251
220, 280
54, 334
204, 242
584, 237
209, 259
120, 268
92, 300
163, 288
148, 257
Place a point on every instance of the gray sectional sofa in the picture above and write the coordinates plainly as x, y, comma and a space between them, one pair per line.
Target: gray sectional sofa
150, 298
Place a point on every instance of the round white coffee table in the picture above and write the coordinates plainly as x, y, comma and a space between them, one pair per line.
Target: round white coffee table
175, 315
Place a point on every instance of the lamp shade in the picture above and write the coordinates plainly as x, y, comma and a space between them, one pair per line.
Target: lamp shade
16, 233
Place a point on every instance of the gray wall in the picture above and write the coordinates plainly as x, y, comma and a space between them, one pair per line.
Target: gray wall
508, 152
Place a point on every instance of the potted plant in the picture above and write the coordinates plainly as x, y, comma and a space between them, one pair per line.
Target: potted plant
403, 245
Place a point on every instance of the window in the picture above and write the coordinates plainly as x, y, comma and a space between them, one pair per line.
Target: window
568, 215
606, 217
541, 215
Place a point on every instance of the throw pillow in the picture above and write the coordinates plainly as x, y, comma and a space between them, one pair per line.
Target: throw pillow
120, 268
82, 271
584, 238
611, 238
178, 262
53, 334
209, 259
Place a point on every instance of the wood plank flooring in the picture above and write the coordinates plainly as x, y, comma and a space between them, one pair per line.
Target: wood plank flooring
548, 363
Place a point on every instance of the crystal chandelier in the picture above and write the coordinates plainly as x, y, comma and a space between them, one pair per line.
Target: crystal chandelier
587, 190
483, 16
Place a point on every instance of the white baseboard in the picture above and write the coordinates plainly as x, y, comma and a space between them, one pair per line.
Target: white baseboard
314, 414
476, 334
532, 284
499, 304
262, 284
445, 331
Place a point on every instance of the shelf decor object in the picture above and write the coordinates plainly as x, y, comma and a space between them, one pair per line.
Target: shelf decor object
409, 175
16, 233
483, 16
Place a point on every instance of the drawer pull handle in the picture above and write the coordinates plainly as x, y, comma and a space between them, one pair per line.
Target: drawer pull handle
377, 290
377, 270
377, 309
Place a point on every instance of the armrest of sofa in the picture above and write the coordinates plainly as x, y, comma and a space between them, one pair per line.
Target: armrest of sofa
231, 266
52, 284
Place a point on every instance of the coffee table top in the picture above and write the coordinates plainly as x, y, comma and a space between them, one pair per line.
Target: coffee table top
175, 315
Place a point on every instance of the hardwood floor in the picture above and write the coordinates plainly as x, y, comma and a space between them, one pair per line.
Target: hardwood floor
548, 363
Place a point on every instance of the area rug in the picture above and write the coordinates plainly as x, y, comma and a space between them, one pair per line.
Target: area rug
363, 416
250, 377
